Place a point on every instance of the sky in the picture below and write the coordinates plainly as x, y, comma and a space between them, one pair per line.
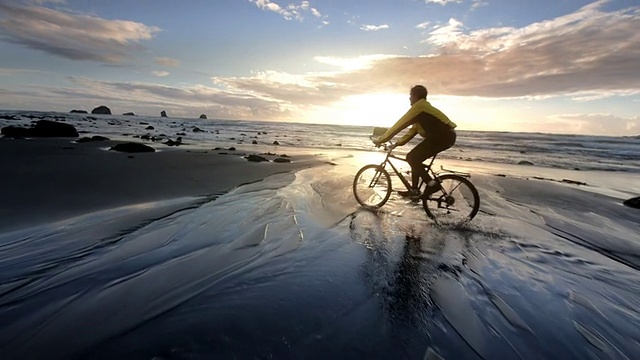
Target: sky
552, 66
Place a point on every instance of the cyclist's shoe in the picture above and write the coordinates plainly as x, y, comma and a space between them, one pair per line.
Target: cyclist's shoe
413, 194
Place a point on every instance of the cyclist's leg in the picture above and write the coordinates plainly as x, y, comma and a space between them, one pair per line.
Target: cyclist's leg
416, 157
426, 149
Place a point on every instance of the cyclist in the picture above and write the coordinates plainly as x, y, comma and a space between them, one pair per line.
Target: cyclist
436, 129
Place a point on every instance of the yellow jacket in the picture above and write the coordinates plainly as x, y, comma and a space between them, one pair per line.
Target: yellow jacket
426, 120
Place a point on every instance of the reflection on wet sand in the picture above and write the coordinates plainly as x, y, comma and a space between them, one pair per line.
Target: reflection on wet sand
292, 268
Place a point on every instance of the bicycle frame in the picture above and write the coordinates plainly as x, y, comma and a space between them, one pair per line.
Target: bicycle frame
402, 178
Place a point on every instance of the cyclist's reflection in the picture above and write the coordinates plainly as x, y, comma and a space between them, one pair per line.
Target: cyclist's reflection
400, 267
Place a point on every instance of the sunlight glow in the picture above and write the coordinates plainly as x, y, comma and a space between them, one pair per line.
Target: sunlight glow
382, 109
351, 64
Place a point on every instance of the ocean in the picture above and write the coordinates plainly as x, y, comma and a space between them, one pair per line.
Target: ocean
571, 152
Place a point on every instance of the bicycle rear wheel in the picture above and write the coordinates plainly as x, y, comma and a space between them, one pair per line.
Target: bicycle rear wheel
455, 203
372, 186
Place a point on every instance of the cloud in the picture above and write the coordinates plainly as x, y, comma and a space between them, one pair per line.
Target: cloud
291, 11
161, 73
73, 36
40, 2
589, 124
168, 62
443, 2
183, 101
374, 27
583, 56
446, 34
423, 25
478, 3
588, 50
11, 71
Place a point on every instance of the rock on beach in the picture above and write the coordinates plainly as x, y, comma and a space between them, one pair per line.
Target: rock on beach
633, 202
101, 110
42, 128
132, 147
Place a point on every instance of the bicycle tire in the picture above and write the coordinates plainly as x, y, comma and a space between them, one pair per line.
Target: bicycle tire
372, 186
459, 206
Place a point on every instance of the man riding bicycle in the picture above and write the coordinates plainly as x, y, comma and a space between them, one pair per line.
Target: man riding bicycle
436, 129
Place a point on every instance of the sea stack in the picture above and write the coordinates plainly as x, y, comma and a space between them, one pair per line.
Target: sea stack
101, 110
163, 113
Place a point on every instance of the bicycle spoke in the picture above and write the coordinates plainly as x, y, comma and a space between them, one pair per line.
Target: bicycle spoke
458, 203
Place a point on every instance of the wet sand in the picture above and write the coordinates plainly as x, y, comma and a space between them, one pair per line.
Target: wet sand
290, 267
45, 180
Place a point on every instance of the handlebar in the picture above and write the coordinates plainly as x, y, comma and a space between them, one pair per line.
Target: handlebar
387, 146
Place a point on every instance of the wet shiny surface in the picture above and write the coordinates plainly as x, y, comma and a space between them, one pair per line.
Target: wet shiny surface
293, 268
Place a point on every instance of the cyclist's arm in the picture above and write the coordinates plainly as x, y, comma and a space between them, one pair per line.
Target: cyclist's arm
406, 120
408, 136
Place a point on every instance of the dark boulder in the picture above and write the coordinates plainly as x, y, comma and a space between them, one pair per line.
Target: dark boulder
92, 139
42, 128
16, 131
101, 110
163, 113
254, 142
633, 202
203, 116
281, 160
149, 128
129, 114
524, 162
177, 142
256, 158
132, 148
74, 111
276, 142
197, 129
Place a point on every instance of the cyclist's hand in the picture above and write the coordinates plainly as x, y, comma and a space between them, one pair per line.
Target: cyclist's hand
376, 141
392, 146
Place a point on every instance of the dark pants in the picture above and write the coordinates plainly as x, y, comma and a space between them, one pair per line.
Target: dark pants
426, 149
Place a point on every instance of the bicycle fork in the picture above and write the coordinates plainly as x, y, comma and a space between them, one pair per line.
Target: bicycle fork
376, 177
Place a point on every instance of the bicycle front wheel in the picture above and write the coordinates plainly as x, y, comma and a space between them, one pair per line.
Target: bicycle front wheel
457, 201
372, 186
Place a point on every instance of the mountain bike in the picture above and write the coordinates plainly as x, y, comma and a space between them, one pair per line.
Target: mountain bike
455, 201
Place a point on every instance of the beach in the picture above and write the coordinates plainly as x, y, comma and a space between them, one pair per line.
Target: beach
46, 180
191, 252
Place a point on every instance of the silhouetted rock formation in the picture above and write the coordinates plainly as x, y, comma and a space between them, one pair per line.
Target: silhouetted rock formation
203, 116
281, 160
129, 114
43, 128
633, 202
177, 142
163, 113
74, 111
101, 110
132, 148
92, 139
256, 158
